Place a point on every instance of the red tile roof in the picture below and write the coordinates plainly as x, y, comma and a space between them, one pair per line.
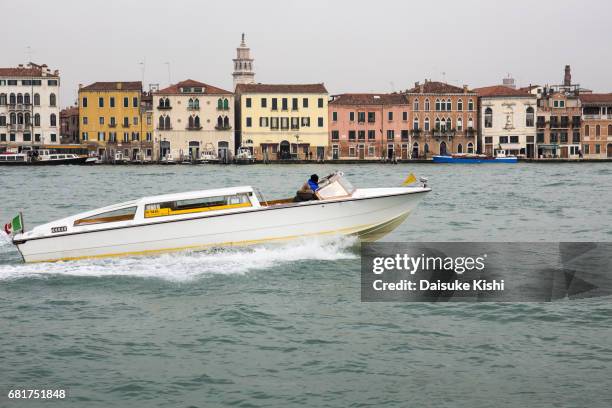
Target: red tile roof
24, 72
281, 88
529, 88
207, 89
500, 90
113, 86
434, 87
596, 98
369, 99
71, 111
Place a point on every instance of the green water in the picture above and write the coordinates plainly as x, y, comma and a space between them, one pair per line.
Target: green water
281, 326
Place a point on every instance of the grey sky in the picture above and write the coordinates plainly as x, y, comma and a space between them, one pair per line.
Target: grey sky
379, 45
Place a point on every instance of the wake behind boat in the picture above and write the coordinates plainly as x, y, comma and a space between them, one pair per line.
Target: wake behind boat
219, 217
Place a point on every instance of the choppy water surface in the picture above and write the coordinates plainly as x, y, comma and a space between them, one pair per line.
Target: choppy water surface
278, 326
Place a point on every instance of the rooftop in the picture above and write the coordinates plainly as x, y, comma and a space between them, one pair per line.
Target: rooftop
113, 86
596, 98
281, 88
501, 90
435, 87
190, 83
29, 70
369, 99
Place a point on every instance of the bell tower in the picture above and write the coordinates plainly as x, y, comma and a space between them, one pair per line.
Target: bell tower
243, 65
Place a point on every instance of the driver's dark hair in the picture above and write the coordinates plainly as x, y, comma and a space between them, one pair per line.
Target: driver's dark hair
314, 178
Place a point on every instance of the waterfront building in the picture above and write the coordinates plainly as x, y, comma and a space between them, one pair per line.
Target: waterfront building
369, 126
444, 119
111, 120
596, 125
69, 125
280, 122
29, 106
191, 118
506, 119
243, 65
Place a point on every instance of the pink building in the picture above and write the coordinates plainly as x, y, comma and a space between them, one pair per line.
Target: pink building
369, 126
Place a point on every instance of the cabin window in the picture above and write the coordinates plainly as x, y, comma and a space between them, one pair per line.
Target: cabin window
196, 205
124, 214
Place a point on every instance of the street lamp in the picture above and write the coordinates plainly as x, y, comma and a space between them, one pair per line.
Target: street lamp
297, 147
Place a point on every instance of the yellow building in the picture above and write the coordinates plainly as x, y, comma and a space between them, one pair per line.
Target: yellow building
114, 121
282, 121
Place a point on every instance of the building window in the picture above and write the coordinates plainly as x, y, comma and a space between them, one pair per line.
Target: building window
320, 121
488, 118
248, 102
304, 102
351, 135
554, 137
390, 115
609, 130
85, 136
320, 102
306, 122
438, 107
335, 116
586, 148
470, 148
53, 137
361, 135
274, 123
100, 136
284, 122
335, 135
248, 122
597, 149
361, 117
460, 105
415, 105
351, 116
529, 120
514, 139
427, 104
426, 126
284, 104
135, 102
563, 136
52, 99
597, 131
459, 124
488, 139
503, 139
85, 121
101, 120
274, 104
587, 130
371, 134
264, 103
405, 116
294, 104
371, 117
53, 120
100, 102
449, 105
540, 137
404, 135
470, 105
415, 124
576, 137
263, 121
111, 101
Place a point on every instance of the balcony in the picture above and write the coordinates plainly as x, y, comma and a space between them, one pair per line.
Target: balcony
193, 108
112, 125
125, 125
193, 128
160, 107
416, 132
229, 127
164, 128
223, 108
470, 132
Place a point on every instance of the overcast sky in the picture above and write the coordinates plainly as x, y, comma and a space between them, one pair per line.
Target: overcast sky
352, 46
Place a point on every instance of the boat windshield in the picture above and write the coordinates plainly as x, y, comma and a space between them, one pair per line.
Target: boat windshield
334, 186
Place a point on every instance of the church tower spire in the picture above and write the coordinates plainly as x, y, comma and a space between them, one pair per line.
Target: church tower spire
243, 65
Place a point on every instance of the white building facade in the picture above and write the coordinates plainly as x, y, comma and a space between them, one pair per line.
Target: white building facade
29, 107
507, 121
192, 118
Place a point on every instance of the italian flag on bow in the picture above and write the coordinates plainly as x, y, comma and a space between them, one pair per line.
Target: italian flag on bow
15, 226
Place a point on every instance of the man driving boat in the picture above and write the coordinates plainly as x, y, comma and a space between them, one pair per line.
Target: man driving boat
307, 192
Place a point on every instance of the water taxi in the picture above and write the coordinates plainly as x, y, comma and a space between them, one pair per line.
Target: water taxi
40, 158
220, 217
500, 157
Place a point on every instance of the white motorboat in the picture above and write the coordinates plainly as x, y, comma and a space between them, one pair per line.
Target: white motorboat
208, 156
244, 155
40, 157
221, 217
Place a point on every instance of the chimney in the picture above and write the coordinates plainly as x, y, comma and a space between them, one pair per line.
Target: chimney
80, 86
416, 84
422, 87
465, 88
567, 79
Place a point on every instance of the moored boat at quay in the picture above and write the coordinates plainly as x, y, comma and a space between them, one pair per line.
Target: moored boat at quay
221, 217
40, 158
500, 157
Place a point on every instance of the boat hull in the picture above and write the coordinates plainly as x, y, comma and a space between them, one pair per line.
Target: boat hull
451, 159
369, 218
78, 160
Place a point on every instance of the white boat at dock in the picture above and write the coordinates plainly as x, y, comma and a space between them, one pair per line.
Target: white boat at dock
39, 157
220, 217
